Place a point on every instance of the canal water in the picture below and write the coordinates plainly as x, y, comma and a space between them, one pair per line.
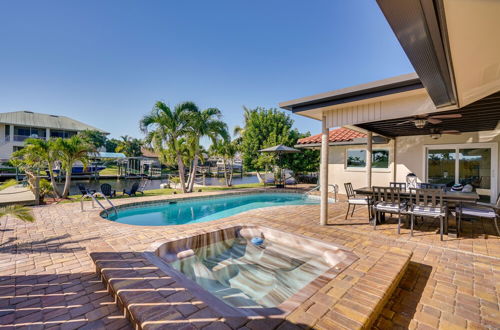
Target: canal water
121, 184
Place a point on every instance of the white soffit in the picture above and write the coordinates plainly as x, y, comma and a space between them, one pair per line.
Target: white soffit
473, 28
402, 97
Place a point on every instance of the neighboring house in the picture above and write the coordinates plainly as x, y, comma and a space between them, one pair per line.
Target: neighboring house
149, 153
441, 124
15, 127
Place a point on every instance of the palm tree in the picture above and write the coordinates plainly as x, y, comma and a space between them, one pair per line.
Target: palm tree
20, 212
70, 151
46, 150
206, 123
130, 146
164, 127
226, 150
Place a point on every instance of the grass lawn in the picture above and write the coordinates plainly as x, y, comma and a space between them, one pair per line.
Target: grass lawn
160, 192
110, 170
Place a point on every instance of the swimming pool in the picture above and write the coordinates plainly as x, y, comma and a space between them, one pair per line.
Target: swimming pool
196, 210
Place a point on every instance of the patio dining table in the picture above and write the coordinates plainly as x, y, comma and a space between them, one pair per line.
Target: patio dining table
449, 196
458, 197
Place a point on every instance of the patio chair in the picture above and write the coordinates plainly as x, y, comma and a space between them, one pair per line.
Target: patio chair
480, 210
400, 185
133, 190
425, 185
290, 181
388, 200
142, 186
107, 190
353, 200
428, 203
84, 190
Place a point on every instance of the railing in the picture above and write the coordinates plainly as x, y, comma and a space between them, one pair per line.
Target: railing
94, 199
331, 188
20, 138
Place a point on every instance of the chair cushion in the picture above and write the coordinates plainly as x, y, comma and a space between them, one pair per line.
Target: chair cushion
390, 207
428, 211
358, 201
479, 212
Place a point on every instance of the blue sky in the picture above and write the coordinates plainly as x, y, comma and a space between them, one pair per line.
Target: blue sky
107, 62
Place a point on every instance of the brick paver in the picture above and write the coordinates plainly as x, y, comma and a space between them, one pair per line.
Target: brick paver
47, 277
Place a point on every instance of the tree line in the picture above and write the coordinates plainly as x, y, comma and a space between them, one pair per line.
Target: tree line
174, 134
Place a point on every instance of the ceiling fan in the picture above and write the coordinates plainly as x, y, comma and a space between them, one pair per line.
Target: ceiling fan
436, 132
421, 120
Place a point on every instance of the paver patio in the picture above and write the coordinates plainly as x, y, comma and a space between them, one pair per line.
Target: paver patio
48, 278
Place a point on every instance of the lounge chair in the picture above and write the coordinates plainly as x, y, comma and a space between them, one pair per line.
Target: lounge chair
133, 190
142, 186
84, 190
107, 190
290, 181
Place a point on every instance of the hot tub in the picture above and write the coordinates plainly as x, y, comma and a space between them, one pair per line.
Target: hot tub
239, 278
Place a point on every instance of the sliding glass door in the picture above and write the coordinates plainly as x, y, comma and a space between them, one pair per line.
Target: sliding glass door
473, 164
474, 167
441, 166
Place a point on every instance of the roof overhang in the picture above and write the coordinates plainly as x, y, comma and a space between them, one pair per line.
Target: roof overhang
452, 44
395, 87
376, 139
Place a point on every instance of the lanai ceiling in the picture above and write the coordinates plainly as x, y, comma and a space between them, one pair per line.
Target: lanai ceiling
482, 115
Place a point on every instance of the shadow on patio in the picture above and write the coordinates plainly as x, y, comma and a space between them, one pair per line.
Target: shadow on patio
56, 244
67, 300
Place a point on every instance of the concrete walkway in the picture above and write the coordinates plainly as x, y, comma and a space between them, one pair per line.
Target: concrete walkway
17, 195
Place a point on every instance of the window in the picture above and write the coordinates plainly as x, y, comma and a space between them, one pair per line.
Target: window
60, 133
22, 131
356, 158
380, 158
56, 133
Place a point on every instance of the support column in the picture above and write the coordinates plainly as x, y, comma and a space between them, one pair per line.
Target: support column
47, 134
324, 173
369, 151
394, 160
11, 133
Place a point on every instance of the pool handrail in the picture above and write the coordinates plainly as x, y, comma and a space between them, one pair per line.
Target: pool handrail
93, 196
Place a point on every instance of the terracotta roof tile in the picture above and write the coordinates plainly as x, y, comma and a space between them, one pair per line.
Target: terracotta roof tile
341, 134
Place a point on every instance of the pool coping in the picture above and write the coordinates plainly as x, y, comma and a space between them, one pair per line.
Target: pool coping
181, 198
354, 299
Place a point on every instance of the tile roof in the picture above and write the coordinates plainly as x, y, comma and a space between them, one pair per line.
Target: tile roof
146, 152
341, 134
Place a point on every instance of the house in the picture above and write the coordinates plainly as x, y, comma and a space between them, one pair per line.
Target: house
441, 122
347, 156
15, 127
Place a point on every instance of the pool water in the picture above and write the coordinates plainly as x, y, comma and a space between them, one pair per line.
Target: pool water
205, 209
246, 276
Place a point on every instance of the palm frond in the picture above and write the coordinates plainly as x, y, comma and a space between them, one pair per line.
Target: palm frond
20, 212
